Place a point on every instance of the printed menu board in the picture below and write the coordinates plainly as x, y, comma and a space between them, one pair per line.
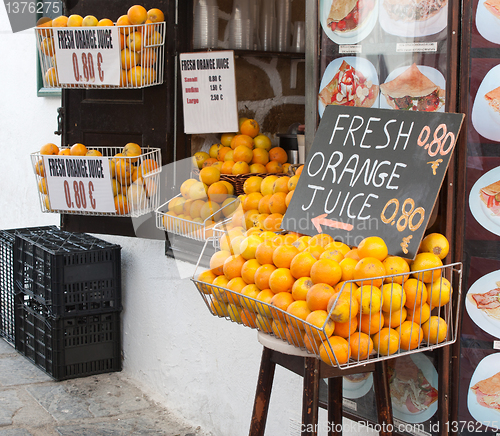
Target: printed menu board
388, 54
479, 383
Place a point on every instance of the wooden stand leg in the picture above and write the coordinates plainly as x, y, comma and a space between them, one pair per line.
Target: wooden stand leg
383, 397
310, 401
335, 406
262, 394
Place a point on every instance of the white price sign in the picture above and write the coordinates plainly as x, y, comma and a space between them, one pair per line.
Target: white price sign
77, 183
87, 55
209, 92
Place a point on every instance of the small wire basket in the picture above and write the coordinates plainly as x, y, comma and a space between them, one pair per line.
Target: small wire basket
199, 230
142, 52
135, 183
403, 329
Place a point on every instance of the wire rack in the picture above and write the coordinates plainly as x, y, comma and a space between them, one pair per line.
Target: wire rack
139, 69
316, 339
135, 202
201, 230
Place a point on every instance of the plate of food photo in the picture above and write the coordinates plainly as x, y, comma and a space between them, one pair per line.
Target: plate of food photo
348, 21
488, 20
348, 81
483, 399
356, 385
483, 303
484, 201
413, 382
415, 88
486, 108
413, 18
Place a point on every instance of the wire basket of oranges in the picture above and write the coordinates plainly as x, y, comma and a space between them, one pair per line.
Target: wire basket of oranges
345, 305
103, 180
84, 52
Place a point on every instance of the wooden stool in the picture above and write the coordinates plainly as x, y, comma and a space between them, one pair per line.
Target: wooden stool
313, 370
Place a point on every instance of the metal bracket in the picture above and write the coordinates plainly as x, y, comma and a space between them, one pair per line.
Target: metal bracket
60, 116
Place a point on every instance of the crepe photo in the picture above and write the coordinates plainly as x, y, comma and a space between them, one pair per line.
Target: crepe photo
348, 15
488, 392
488, 20
486, 108
348, 86
413, 10
493, 7
493, 99
488, 302
490, 196
412, 90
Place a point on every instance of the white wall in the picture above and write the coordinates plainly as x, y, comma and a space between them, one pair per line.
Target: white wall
201, 367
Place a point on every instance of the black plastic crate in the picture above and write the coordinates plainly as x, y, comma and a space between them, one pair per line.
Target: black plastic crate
7, 291
71, 273
68, 347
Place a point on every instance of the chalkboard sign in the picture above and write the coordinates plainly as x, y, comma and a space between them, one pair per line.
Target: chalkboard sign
373, 172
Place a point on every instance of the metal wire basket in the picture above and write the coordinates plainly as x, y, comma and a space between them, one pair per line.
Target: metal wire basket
140, 67
349, 348
135, 189
200, 230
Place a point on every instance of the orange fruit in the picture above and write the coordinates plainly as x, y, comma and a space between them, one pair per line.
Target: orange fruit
227, 167
288, 198
256, 168
300, 288
248, 270
219, 308
274, 167
315, 250
226, 139
240, 168
241, 139
79, 150
301, 265
264, 204
262, 275
347, 266
326, 271
281, 301
278, 328
302, 242
121, 204
393, 296
264, 252
278, 154
252, 184
281, 280
273, 222
221, 282
361, 345
248, 318
106, 22
232, 266
321, 326
346, 329
420, 315
367, 269
281, 185
342, 306
416, 293
295, 336
267, 186
319, 295
335, 255
263, 142
260, 157
299, 311
251, 201
292, 182
264, 297
396, 265
222, 152
371, 324
373, 246
61, 21
250, 127
248, 295
312, 344
137, 14
335, 351
435, 330
234, 313
321, 239
236, 284
49, 149
155, 15
242, 154
248, 246
217, 192
395, 319
369, 299
386, 341
424, 261
410, 335
283, 255
209, 175
298, 171
277, 203
435, 243
352, 254
439, 293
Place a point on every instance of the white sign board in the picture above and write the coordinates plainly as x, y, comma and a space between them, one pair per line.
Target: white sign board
209, 92
80, 184
87, 55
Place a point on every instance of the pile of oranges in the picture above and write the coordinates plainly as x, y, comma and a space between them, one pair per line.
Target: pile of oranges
338, 302
245, 152
131, 189
139, 38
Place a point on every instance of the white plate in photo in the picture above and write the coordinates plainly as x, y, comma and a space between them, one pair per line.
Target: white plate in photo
360, 64
413, 29
485, 284
431, 73
485, 119
477, 207
487, 24
352, 37
430, 373
356, 389
488, 367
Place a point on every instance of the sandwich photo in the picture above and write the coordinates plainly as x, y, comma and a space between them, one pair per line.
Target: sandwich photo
493, 99
408, 385
349, 87
348, 15
413, 91
490, 196
493, 6
413, 10
488, 392
489, 302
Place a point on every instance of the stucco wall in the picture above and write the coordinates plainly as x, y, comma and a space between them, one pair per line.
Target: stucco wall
200, 367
